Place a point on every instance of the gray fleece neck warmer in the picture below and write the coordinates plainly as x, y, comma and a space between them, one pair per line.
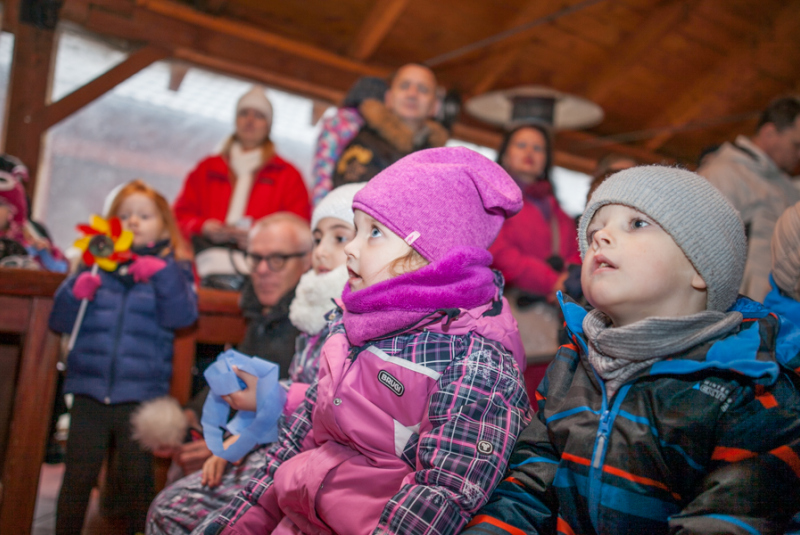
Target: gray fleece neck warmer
617, 354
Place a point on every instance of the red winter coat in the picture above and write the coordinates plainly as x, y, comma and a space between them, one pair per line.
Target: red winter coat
206, 194
525, 242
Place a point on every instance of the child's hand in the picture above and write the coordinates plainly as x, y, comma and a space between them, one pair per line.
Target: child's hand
145, 267
243, 400
214, 467
86, 286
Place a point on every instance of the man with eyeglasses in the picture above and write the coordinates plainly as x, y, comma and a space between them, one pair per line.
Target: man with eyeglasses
278, 253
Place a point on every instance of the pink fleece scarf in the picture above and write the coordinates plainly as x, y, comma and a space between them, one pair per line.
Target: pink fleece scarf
460, 279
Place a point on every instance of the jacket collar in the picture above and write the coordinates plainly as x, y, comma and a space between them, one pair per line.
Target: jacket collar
379, 118
252, 309
737, 352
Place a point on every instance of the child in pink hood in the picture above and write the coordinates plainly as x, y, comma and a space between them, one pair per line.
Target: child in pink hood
419, 401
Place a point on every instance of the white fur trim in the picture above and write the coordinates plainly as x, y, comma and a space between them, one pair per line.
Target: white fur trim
313, 298
159, 423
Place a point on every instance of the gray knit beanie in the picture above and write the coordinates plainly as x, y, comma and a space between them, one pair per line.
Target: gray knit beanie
697, 217
786, 252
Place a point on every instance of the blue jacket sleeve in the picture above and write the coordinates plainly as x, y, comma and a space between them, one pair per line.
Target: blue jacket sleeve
176, 297
65, 307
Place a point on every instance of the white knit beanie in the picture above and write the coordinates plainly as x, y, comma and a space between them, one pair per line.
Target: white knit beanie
338, 203
256, 99
693, 212
786, 252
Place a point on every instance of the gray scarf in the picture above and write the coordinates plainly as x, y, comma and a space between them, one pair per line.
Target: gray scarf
619, 353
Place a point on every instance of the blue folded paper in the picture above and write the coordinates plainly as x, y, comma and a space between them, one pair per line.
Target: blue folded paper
259, 427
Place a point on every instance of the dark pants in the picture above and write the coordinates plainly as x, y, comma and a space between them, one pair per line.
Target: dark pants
94, 429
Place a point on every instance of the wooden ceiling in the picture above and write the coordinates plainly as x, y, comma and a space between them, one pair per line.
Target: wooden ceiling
673, 76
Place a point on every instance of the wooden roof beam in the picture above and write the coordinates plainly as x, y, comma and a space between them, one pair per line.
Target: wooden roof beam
28, 90
711, 94
661, 21
376, 26
215, 6
269, 78
533, 10
256, 35
66, 106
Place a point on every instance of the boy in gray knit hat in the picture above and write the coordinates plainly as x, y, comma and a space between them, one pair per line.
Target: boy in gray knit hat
668, 412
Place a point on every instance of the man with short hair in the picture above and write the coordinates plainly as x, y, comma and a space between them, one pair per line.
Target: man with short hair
398, 126
278, 252
754, 175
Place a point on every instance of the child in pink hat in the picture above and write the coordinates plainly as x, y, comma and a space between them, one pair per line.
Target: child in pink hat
419, 398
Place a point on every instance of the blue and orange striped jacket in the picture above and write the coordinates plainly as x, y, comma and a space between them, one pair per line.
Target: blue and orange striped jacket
705, 441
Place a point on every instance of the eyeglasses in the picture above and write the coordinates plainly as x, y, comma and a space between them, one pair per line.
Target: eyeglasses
275, 262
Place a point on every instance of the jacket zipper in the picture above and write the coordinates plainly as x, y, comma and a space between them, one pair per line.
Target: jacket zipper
117, 336
607, 417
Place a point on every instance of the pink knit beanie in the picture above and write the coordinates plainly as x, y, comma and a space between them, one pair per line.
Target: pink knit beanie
438, 199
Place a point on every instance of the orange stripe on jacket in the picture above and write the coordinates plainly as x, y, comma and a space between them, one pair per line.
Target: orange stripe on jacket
731, 455
496, 523
766, 398
563, 527
576, 459
788, 455
639, 479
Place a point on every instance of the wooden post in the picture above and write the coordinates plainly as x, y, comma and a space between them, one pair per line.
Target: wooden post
28, 94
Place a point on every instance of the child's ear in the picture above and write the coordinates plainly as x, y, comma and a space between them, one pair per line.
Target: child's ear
698, 283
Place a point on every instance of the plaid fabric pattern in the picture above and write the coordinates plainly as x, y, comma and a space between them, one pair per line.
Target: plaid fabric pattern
480, 402
182, 507
307, 350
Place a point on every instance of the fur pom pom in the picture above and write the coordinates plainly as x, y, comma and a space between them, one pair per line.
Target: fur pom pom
159, 423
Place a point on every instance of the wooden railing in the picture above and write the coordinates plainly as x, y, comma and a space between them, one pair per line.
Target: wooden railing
26, 298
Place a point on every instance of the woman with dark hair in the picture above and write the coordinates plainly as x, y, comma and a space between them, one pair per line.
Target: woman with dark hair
536, 247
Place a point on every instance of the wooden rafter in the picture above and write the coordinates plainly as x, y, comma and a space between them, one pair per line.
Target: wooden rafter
63, 108
376, 26
28, 90
215, 6
254, 73
497, 66
662, 20
714, 93
177, 72
256, 35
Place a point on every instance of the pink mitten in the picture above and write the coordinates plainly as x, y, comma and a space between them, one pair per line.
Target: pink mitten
145, 267
86, 286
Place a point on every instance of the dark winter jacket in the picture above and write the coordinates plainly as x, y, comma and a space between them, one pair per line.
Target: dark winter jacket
382, 140
705, 441
123, 352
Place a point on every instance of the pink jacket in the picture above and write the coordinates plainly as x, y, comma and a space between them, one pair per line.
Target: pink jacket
408, 434
526, 241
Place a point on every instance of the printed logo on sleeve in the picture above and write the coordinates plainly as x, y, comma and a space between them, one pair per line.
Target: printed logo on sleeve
390, 381
485, 447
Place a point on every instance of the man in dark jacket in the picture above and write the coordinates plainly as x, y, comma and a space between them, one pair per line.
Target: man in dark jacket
278, 253
394, 128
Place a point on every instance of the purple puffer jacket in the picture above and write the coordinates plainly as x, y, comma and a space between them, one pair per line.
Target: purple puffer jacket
407, 434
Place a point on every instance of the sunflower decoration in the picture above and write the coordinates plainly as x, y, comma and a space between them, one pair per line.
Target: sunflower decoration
105, 243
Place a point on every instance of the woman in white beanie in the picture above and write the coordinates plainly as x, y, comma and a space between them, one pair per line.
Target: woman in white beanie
227, 192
